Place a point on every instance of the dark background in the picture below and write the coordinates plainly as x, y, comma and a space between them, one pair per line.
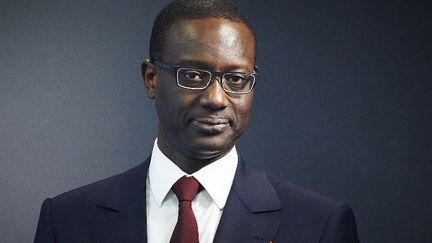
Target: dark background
343, 106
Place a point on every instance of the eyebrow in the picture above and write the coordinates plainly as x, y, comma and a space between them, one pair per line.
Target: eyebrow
207, 66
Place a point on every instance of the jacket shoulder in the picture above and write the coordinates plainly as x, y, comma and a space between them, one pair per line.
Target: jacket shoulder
317, 217
68, 216
295, 194
89, 195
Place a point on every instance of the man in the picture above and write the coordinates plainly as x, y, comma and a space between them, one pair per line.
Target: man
201, 74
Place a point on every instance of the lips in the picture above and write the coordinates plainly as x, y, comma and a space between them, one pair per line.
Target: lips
210, 125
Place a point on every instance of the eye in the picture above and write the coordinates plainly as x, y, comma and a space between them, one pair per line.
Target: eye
235, 78
193, 76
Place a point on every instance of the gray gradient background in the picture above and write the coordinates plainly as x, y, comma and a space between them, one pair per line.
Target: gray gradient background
343, 106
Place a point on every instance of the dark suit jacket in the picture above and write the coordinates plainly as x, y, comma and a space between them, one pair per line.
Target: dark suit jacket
260, 208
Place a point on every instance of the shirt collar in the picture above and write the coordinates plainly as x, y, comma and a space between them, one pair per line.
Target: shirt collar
216, 178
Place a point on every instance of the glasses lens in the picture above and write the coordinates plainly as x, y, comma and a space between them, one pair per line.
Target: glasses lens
238, 82
192, 78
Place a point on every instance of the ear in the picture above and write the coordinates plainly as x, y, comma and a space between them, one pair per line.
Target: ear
150, 76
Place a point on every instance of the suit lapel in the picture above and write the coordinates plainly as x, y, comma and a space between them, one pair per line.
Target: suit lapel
252, 211
121, 209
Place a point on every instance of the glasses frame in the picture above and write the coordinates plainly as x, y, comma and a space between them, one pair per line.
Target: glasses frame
175, 69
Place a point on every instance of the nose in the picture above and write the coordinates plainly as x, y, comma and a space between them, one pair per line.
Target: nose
214, 97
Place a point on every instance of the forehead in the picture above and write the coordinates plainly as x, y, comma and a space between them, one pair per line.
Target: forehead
216, 41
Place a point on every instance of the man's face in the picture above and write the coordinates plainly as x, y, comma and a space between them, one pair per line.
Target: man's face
203, 124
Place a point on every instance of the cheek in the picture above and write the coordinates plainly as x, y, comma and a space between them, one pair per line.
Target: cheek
165, 102
172, 103
243, 110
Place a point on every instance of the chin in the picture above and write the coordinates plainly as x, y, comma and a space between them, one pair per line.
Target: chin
209, 149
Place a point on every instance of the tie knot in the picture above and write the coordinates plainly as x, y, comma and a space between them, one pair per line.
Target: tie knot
186, 188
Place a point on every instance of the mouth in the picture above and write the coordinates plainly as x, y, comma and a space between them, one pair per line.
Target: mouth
210, 125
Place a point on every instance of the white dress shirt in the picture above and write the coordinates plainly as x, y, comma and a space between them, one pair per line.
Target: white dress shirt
162, 204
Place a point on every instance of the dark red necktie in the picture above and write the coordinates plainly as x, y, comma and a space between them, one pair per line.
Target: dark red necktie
186, 229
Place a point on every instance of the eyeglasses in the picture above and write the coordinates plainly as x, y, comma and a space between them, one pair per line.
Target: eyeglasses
199, 79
